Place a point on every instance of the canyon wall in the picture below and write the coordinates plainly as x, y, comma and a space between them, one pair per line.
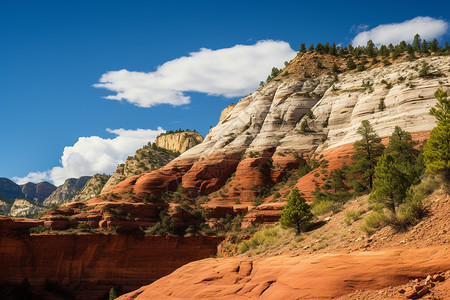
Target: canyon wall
86, 266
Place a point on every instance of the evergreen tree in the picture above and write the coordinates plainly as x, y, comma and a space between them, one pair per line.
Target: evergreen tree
416, 43
311, 48
425, 47
367, 152
350, 64
296, 212
334, 68
437, 148
391, 183
397, 170
333, 49
350, 48
302, 48
384, 51
371, 49
319, 48
434, 45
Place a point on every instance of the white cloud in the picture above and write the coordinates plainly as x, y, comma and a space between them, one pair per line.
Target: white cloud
230, 72
428, 28
90, 155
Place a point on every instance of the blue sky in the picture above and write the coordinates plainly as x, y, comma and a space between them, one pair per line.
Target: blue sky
53, 52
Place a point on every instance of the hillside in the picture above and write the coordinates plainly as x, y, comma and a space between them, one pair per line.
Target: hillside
38, 192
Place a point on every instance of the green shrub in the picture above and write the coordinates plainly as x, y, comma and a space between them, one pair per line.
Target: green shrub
352, 216
83, 227
322, 207
261, 239
373, 222
38, 229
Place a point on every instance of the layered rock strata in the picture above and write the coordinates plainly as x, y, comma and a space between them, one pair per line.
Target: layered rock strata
86, 266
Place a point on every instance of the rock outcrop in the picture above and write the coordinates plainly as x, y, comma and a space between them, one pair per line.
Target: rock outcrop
226, 111
37, 192
64, 193
179, 141
92, 188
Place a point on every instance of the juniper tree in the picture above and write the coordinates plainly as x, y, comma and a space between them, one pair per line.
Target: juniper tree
296, 212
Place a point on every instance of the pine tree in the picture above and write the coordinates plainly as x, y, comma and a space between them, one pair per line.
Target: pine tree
311, 48
333, 49
391, 183
302, 48
350, 64
434, 45
367, 152
416, 43
437, 148
396, 170
371, 49
296, 212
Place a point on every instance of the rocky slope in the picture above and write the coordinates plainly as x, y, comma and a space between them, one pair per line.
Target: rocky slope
179, 141
37, 192
92, 188
67, 191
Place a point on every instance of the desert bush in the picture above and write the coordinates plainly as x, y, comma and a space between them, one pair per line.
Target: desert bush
265, 239
373, 222
352, 216
322, 207
83, 227
38, 229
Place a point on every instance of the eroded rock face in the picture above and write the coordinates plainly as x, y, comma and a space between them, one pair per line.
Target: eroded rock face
179, 141
86, 266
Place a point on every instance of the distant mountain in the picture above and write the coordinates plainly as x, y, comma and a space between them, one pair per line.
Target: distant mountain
37, 192
9, 189
67, 191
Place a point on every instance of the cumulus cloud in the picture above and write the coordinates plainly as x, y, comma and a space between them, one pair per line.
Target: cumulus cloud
229, 72
90, 155
428, 28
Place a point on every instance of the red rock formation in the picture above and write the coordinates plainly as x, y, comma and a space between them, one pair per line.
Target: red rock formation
323, 276
88, 265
